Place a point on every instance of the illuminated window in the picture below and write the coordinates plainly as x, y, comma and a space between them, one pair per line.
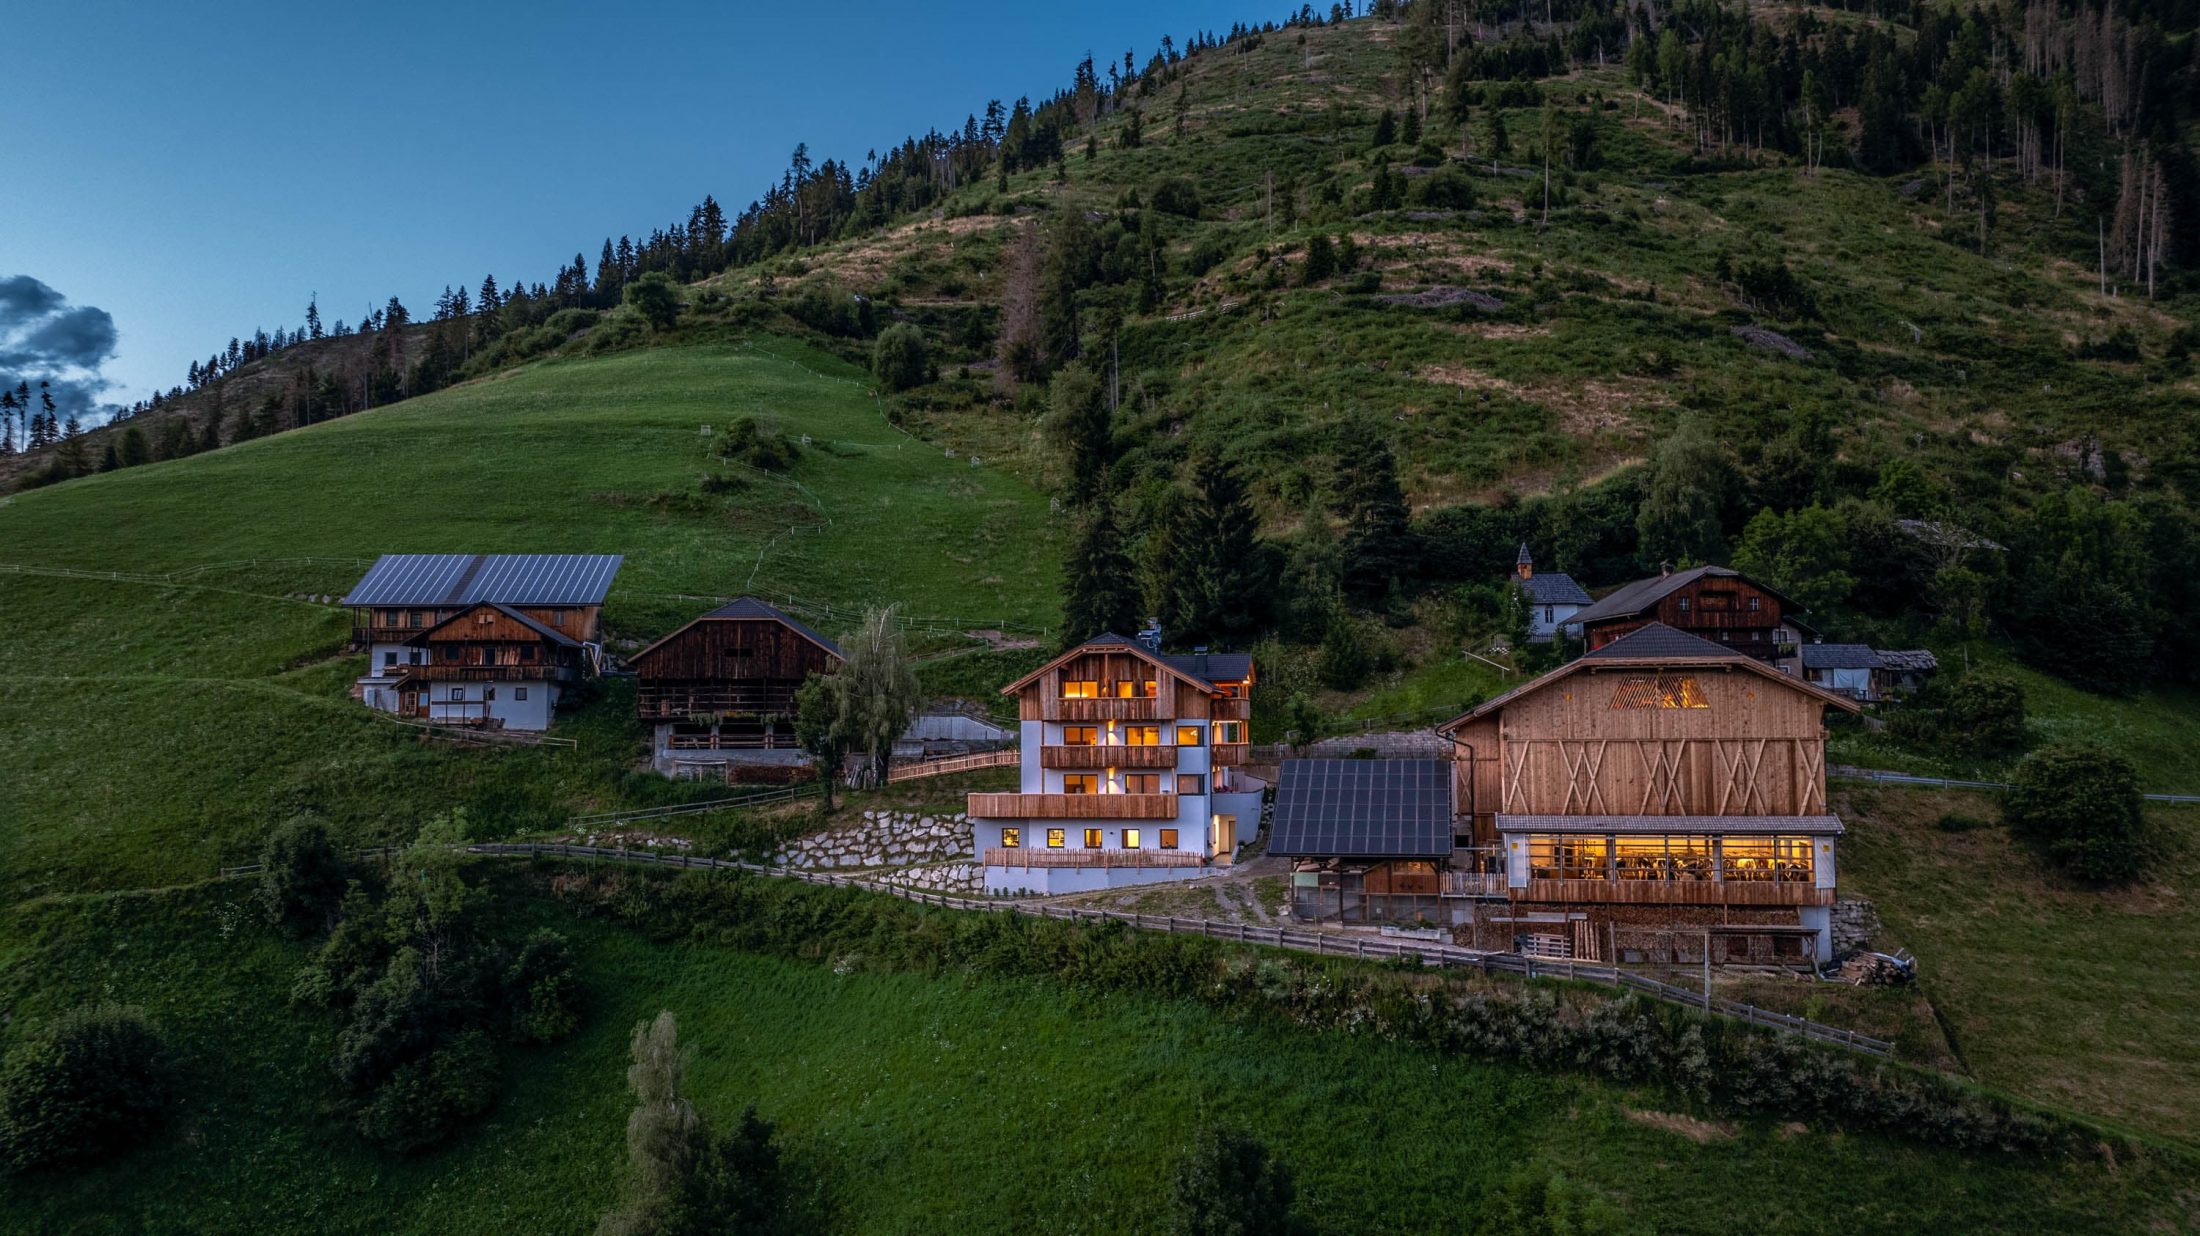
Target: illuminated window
1080, 783
1130, 838
1168, 838
1092, 838
1229, 731
1134, 689
1569, 858
1080, 735
1080, 689
1012, 838
1141, 783
1765, 860
1188, 784
1142, 735
1659, 691
1054, 838
1187, 736
1662, 859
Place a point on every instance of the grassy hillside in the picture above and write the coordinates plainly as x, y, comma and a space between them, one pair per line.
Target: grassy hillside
933, 1104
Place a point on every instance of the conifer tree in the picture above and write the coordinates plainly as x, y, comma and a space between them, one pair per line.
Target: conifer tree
1101, 588
1493, 139
1365, 493
1079, 424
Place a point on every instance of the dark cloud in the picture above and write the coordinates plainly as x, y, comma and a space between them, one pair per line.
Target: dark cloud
43, 338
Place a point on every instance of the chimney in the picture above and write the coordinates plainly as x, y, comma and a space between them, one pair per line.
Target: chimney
1665, 568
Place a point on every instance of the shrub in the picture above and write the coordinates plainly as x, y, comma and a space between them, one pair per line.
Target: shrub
1229, 1185
899, 359
1538, 1201
1985, 713
302, 878
567, 322
91, 1085
619, 332
426, 1098
1446, 188
2081, 807
759, 445
541, 992
1177, 196
656, 297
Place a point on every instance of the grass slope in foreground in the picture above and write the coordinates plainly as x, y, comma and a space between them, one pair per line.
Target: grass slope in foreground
929, 1104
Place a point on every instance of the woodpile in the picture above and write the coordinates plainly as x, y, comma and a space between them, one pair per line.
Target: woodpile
1877, 970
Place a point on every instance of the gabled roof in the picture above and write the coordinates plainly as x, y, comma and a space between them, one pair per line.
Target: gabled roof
1655, 645
1909, 660
1644, 594
1225, 666
1554, 588
505, 579
1840, 656
747, 609
550, 633
1363, 809
1657, 641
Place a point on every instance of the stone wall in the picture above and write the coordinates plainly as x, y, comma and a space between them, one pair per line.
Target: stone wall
882, 839
963, 877
1855, 922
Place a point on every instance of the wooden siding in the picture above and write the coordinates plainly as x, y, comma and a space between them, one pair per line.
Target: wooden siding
393, 626
1053, 709
728, 650
1073, 806
1674, 893
1717, 610
1113, 756
1758, 748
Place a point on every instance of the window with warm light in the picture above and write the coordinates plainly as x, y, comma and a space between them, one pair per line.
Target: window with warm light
1187, 736
1765, 860
1130, 838
1229, 731
1080, 735
1168, 838
1141, 783
1142, 735
1569, 858
1012, 838
1662, 691
1186, 783
1056, 838
1093, 837
1080, 783
1137, 689
1080, 689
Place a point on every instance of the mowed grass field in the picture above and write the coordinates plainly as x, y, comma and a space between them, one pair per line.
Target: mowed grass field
156, 729
933, 1104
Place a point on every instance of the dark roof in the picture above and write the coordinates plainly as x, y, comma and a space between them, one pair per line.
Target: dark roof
1556, 588
1363, 809
1525, 558
1814, 825
1212, 667
750, 607
1840, 656
505, 579
1657, 641
1909, 660
550, 633
1634, 598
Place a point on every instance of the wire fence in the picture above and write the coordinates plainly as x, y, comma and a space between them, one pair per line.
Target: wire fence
1850, 773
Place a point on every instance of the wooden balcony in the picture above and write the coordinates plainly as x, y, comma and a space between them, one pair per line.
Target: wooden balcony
1041, 856
676, 703
1231, 709
1073, 806
384, 635
1678, 892
1226, 754
1152, 709
441, 672
1474, 884
1111, 756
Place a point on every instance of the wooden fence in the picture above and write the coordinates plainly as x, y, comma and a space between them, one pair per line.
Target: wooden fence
1321, 943
914, 769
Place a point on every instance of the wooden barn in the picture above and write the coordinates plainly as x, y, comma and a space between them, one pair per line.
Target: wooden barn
1715, 603
1660, 795
719, 692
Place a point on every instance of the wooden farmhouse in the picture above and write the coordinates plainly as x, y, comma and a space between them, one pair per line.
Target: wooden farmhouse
1130, 767
1659, 791
488, 640
719, 692
1712, 602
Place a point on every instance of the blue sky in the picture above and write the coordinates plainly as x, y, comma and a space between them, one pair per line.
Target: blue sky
198, 171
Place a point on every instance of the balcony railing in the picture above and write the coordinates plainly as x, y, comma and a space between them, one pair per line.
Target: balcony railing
440, 672
1027, 856
1073, 806
1230, 753
1473, 884
1228, 709
1155, 708
1679, 892
680, 703
1112, 756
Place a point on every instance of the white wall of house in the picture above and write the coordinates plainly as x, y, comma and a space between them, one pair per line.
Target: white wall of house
520, 705
1544, 621
382, 663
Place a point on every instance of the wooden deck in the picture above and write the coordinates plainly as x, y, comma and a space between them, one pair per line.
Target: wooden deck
1027, 856
1073, 806
1677, 892
1108, 756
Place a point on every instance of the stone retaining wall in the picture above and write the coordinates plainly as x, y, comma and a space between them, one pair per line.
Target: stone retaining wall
964, 877
1855, 922
882, 839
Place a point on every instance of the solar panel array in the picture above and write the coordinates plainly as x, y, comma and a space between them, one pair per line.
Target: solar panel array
1363, 809
507, 579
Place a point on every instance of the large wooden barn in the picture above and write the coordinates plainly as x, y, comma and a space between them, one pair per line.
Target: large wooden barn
1660, 795
718, 693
